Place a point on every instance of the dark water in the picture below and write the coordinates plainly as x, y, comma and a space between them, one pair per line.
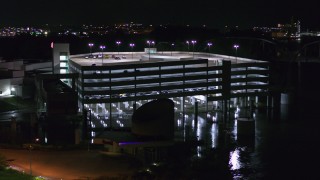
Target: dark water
280, 149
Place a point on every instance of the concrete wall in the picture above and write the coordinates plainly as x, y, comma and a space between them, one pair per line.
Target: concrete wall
57, 49
16, 74
14, 65
30, 67
5, 87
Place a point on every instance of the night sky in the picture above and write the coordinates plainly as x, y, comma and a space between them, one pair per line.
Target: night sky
214, 13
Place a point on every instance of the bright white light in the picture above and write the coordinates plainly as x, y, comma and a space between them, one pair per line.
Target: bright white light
63, 58
63, 71
13, 89
234, 161
214, 118
198, 151
6, 92
179, 122
236, 114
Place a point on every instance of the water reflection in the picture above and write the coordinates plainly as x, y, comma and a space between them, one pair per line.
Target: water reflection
234, 161
214, 135
242, 157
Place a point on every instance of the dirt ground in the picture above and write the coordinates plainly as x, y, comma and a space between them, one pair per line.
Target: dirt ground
72, 164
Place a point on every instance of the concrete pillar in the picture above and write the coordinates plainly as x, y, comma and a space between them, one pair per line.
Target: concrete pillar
96, 108
225, 110
246, 132
183, 113
252, 100
196, 114
235, 102
269, 101
110, 115
187, 133
134, 106
126, 105
104, 109
276, 106
192, 99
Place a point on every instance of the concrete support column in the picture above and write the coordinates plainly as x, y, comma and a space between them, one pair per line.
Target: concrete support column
134, 105
269, 101
196, 114
104, 110
183, 113
225, 110
126, 105
276, 105
110, 115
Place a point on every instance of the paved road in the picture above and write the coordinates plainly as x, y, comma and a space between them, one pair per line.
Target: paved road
19, 114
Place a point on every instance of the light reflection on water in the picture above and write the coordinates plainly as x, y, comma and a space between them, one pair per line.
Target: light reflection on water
234, 161
245, 160
240, 156
214, 135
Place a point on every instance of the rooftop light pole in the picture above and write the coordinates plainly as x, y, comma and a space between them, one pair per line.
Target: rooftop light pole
132, 46
172, 46
118, 44
30, 147
209, 46
236, 46
193, 42
188, 46
90, 46
149, 43
102, 47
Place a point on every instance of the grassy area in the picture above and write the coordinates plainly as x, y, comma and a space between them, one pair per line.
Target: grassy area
14, 103
11, 174
4, 106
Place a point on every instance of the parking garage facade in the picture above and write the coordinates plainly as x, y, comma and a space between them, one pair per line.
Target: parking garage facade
111, 92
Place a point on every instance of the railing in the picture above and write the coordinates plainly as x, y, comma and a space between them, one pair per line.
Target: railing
139, 81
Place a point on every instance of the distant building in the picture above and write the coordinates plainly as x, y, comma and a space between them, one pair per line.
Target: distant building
16, 77
289, 31
310, 33
282, 31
